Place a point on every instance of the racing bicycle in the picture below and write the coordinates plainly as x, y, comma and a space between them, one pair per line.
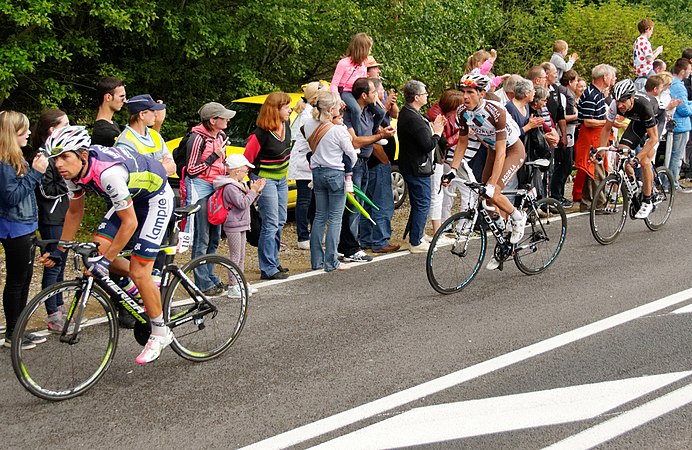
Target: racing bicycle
73, 361
623, 196
459, 246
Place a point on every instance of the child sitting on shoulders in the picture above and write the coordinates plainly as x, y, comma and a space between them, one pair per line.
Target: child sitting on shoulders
238, 197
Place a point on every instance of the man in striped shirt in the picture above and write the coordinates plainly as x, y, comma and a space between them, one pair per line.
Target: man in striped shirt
592, 118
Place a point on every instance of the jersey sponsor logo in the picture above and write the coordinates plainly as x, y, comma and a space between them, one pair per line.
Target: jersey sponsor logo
162, 218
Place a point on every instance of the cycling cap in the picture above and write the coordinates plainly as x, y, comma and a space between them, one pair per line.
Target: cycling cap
67, 139
623, 90
477, 81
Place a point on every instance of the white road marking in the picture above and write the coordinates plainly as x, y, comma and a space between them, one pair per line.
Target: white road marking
627, 421
465, 419
365, 411
684, 310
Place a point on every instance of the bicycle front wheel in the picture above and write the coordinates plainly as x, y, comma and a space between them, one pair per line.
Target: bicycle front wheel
456, 254
72, 361
607, 221
663, 194
543, 240
201, 334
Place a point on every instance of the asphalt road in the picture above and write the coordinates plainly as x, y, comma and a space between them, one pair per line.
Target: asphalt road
586, 354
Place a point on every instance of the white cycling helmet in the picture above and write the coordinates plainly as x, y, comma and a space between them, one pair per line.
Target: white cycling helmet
623, 90
67, 139
478, 81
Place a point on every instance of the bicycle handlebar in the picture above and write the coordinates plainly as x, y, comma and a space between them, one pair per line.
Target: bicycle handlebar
84, 249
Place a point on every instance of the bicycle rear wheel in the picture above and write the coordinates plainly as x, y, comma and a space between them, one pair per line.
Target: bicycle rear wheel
543, 240
200, 336
58, 369
607, 221
663, 194
456, 254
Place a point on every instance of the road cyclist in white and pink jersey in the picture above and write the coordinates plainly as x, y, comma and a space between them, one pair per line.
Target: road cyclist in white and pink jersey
142, 203
495, 129
350, 68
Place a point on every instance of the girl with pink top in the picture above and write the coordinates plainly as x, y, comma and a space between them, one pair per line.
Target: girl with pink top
348, 70
481, 62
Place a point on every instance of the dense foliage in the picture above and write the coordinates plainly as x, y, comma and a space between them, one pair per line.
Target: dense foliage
52, 52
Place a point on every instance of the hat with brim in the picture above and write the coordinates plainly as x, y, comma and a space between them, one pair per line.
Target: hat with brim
370, 62
212, 110
143, 102
236, 160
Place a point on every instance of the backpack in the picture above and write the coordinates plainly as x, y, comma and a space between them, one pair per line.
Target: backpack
216, 208
181, 156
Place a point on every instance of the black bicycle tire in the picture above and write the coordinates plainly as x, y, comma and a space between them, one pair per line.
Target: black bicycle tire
648, 221
429, 260
593, 216
32, 306
179, 348
534, 217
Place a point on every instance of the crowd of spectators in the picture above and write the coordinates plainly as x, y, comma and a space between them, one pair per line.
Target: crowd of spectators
340, 147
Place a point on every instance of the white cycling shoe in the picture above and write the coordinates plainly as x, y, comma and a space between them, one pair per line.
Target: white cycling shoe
154, 347
518, 229
644, 211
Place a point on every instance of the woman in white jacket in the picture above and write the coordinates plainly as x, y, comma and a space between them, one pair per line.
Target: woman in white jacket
298, 169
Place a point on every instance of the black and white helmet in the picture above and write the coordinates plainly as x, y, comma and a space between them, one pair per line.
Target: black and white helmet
623, 90
68, 139
475, 80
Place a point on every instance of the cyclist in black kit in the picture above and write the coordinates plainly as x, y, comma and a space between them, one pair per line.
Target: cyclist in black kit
642, 109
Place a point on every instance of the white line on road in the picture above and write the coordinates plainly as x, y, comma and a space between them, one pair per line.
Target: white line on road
627, 421
345, 418
459, 420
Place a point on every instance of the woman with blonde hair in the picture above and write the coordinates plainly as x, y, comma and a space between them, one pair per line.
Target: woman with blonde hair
269, 150
298, 168
18, 218
329, 144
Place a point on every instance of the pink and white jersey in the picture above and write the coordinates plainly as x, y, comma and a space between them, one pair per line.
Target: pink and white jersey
642, 49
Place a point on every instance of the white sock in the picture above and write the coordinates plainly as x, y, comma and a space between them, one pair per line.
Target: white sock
516, 215
158, 327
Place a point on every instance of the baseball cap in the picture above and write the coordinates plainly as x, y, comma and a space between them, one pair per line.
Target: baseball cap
370, 62
143, 102
235, 160
214, 109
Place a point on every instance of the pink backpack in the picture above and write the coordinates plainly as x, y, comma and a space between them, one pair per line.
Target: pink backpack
216, 208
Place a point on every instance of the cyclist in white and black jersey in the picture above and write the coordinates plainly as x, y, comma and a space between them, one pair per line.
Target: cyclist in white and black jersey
495, 129
642, 109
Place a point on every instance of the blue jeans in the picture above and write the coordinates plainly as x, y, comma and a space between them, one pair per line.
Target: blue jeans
303, 200
419, 197
205, 236
330, 198
348, 241
677, 153
272, 207
380, 192
52, 275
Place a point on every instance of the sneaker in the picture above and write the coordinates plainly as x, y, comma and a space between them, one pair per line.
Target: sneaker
359, 256
426, 238
445, 240
304, 245
251, 289
276, 276
518, 229
343, 266
214, 290
387, 249
644, 211
492, 264
566, 203
420, 248
154, 347
35, 338
234, 291
26, 344
55, 322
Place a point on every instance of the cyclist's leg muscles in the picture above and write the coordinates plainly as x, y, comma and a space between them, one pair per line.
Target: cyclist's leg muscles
514, 159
